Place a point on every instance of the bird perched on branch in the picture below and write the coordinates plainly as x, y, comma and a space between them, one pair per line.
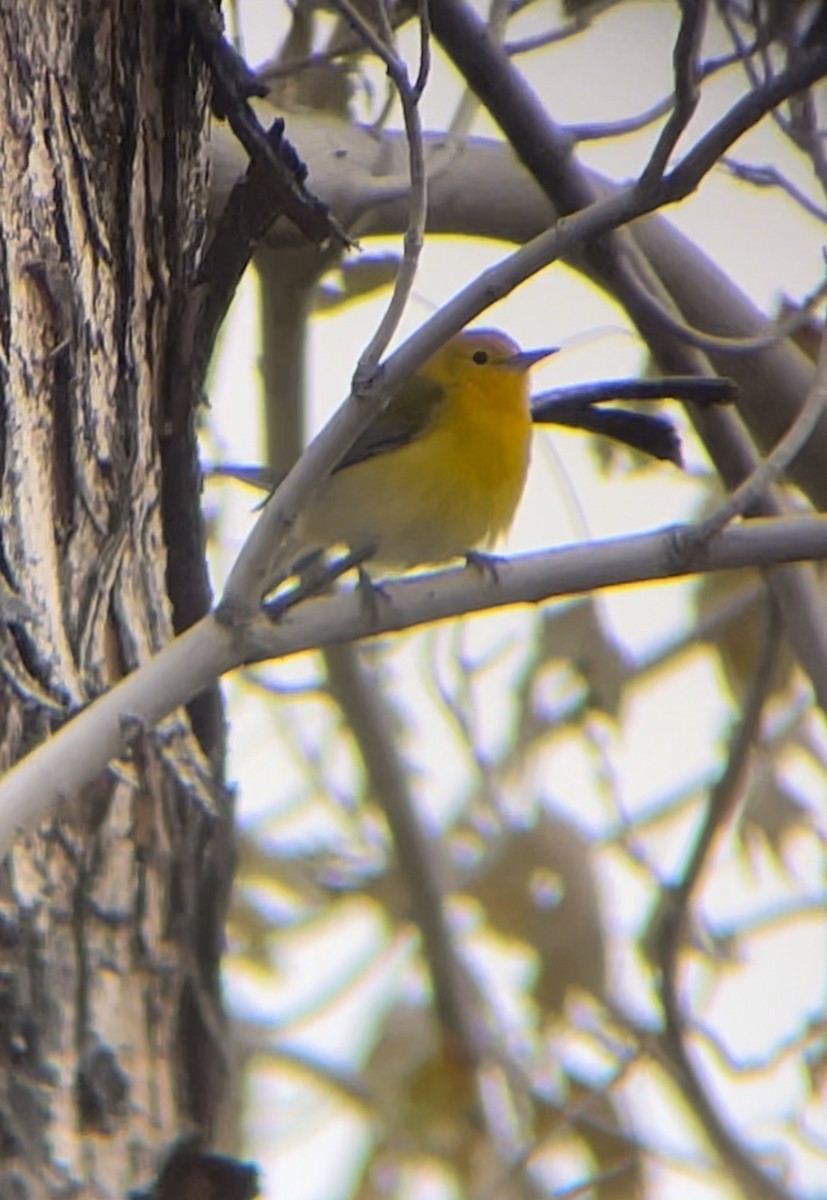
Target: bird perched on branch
440, 471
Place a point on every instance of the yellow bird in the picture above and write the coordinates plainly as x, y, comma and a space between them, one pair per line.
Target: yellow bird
441, 470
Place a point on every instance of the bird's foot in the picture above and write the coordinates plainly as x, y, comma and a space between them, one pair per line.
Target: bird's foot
316, 575
372, 594
487, 564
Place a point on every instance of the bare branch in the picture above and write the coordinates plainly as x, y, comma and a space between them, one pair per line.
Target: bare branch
233, 85
776, 462
78, 752
598, 131
685, 56
610, 129
773, 332
579, 23
417, 854
415, 232
424, 51
767, 176
744, 115
668, 939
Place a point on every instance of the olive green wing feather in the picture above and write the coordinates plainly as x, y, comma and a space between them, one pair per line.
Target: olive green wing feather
409, 413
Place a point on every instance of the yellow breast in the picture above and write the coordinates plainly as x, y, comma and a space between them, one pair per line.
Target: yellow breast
452, 489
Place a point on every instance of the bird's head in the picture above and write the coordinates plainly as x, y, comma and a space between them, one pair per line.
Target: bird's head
483, 350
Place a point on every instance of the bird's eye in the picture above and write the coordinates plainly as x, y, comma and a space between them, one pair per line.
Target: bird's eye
480, 357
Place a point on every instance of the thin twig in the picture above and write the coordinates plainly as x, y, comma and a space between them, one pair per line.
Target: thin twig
461, 122
786, 912
757, 1184
685, 60
418, 205
800, 131
767, 176
610, 129
424, 70
806, 134
385, 27
744, 53
710, 343
794, 1045
725, 795
598, 131
579, 23
776, 462
806, 70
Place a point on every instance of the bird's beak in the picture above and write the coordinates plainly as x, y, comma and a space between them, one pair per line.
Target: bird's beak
524, 360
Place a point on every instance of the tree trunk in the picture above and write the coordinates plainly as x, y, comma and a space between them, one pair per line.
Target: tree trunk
111, 1038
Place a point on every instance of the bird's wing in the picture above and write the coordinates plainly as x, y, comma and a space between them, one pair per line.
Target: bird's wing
408, 415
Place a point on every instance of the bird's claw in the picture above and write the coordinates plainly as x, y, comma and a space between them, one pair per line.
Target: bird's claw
317, 575
371, 594
487, 564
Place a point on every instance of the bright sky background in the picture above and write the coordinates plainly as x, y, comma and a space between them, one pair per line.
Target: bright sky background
621, 66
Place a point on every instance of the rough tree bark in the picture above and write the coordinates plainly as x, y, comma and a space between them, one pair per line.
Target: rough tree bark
111, 1037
